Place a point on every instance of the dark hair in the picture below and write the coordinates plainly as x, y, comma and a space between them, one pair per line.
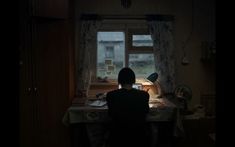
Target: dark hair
126, 76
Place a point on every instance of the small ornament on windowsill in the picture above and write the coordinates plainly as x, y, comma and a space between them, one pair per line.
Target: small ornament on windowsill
185, 61
103, 80
126, 3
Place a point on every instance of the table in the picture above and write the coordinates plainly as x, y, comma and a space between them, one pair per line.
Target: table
95, 119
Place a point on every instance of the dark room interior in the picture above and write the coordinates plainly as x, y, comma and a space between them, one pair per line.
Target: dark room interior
72, 50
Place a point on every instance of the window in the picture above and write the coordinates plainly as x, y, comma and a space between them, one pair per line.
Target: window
142, 64
140, 52
110, 53
128, 47
142, 40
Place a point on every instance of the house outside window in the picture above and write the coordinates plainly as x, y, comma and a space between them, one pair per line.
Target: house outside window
109, 52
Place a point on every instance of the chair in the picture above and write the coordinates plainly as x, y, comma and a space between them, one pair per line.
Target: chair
127, 135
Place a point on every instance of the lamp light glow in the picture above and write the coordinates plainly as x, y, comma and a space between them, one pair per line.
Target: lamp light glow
153, 78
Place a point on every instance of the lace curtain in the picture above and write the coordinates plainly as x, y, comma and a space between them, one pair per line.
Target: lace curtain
85, 55
162, 35
163, 44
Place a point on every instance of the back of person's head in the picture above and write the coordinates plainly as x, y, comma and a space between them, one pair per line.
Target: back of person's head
126, 76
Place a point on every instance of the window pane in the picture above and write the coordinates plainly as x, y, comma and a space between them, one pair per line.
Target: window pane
142, 40
142, 64
110, 54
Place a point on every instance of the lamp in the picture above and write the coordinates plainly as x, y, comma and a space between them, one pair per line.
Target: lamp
153, 78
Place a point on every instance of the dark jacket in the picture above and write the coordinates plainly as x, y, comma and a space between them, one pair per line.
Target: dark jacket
128, 110
128, 105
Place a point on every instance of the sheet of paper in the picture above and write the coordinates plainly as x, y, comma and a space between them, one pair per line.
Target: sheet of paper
97, 103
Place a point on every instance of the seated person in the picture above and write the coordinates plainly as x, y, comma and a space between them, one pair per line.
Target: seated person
128, 108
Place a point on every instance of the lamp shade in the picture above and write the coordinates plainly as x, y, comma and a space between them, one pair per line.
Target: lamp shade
153, 77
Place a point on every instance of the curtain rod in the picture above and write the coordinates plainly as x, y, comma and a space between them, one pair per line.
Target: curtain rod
132, 17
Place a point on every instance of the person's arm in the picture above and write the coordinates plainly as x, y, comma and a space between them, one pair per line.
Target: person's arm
147, 103
108, 99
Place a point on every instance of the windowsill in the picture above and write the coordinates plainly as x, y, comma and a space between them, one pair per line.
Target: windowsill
112, 82
104, 87
103, 83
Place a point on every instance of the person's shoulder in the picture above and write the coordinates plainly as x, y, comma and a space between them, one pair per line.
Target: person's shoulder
112, 92
112, 95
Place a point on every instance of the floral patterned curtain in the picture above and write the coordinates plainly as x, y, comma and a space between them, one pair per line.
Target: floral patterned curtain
163, 42
85, 54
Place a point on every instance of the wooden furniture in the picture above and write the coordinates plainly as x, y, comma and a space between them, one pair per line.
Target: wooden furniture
45, 49
208, 101
198, 132
49, 8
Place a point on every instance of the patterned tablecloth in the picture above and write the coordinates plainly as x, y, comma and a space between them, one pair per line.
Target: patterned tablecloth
82, 112
160, 110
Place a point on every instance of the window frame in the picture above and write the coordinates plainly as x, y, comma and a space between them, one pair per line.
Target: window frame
128, 29
135, 49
